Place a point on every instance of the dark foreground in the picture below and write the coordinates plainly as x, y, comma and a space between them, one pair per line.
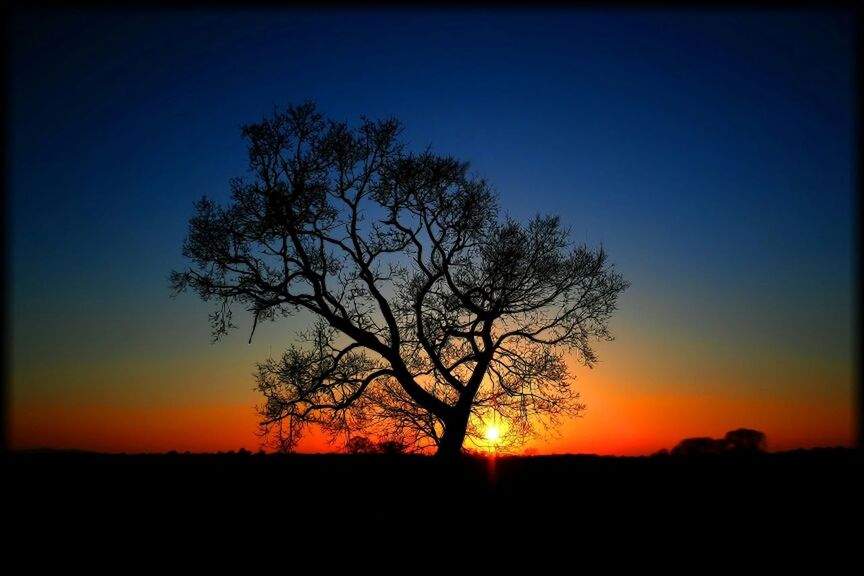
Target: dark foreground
806, 480
791, 506
802, 494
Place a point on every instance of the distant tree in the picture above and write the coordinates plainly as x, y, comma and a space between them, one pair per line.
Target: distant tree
390, 447
736, 441
432, 311
746, 440
699, 446
360, 445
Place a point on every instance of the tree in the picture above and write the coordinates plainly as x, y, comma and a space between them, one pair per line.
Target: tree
431, 311
746, 440
742, 440
360, 445
699, 446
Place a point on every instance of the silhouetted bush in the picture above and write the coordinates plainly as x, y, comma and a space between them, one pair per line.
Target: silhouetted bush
746, 440
742, 440
693, 446
390, 447
360, 445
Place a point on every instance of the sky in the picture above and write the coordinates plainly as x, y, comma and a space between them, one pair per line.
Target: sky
710, 152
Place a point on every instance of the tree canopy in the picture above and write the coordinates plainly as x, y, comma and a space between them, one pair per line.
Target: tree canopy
434, 314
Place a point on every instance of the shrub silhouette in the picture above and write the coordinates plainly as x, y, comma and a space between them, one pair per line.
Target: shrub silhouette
390, 447
742, 440
746, 440
700, 446
360, 445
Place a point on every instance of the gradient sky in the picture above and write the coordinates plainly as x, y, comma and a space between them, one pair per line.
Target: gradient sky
711, 153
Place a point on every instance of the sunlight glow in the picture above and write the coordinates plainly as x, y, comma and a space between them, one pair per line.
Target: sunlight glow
493, 434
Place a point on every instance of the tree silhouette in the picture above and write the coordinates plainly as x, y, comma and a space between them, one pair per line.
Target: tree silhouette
431, 311
746, 440
360, 445
700, 446
742, 440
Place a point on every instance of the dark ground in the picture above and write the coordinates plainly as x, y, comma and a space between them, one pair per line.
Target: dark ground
804, 499
820, 478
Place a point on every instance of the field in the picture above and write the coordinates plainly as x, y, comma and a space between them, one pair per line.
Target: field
373, 508
817, 479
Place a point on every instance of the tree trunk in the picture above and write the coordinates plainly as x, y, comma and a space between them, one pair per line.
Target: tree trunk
454, 435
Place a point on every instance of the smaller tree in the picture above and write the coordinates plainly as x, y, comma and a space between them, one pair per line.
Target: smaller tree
699, 447
746, 440
742, 440
391, 447
360, 445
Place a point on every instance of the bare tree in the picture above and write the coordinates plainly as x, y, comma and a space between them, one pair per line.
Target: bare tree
433, 313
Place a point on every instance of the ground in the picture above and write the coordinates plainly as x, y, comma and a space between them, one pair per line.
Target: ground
540, 512
816, 476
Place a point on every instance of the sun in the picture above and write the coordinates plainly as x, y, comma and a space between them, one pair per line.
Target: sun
493, 434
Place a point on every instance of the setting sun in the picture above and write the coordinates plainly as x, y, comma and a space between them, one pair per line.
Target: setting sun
493, 434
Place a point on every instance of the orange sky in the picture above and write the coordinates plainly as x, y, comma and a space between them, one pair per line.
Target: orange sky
621, 419
166, 387
614, 424
668, 375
